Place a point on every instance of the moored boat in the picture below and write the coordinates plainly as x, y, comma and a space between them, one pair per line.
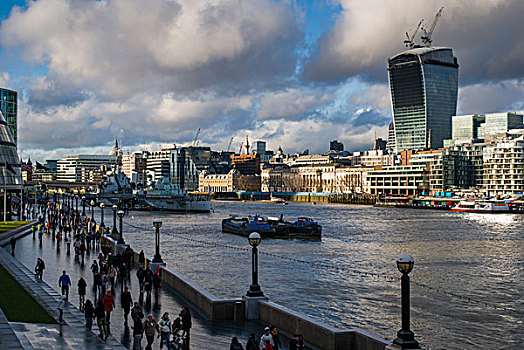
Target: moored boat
274, 200
303, 228
475, 206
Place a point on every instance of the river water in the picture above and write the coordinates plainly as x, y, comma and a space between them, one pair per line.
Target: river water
475, 256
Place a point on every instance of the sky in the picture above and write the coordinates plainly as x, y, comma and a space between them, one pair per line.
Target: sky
293, 73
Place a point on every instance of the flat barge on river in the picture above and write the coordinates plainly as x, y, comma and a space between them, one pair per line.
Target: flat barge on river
303, 228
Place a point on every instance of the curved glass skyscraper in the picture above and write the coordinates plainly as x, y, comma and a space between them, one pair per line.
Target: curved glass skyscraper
424, 86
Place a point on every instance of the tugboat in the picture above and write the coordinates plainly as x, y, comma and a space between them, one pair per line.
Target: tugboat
303, 228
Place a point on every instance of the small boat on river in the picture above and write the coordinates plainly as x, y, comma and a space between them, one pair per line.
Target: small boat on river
274, 200
482, 207
267, 227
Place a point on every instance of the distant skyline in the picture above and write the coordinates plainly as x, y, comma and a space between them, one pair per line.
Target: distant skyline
296, 74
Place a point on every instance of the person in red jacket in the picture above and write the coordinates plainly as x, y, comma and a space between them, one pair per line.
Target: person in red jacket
109, 305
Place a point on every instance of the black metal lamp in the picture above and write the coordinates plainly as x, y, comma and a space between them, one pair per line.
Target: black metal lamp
102, 206
254, 288
83, 205
157, 258
121, 214
405, 337
114, 232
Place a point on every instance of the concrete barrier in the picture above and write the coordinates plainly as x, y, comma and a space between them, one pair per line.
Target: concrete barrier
212, 306
317, 333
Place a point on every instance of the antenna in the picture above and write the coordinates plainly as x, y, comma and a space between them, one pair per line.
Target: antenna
426, 38
409, 41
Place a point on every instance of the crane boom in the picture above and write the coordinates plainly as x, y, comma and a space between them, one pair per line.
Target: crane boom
426, 38
229, 146
196, 137
409, 41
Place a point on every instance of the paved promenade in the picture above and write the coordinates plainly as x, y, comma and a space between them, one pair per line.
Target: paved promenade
72, 335
205, 334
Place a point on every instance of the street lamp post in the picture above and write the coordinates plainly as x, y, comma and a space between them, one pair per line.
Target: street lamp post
83, 205
92, 211
114, 232
254, 288
405, 337
102, 206
157, 258
121, 236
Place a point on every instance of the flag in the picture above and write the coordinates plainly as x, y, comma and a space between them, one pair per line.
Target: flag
40, 166
26, 167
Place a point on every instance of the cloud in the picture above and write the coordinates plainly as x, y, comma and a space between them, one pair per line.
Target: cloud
506, 95
291, 103
118, 48
487, 37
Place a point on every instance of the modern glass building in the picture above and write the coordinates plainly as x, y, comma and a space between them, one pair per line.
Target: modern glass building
9, 108
497, 123
424, 85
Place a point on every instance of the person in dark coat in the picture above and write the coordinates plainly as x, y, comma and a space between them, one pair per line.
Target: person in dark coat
127, 302
185, 315
82, 284
252, 342
89, 312
276, 338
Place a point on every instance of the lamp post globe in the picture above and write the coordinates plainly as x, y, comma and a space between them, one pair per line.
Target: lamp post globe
254, 289
405, 337
157, 223
114, 232
102, 206
93, 211
121, 214
83, 205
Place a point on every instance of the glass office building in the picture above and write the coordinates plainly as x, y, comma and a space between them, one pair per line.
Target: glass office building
9, 108
424, 85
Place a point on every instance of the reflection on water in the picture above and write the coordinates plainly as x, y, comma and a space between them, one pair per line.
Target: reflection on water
478, 256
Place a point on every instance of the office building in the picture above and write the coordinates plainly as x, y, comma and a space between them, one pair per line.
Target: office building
87, 168
498, 123
9, 108
504, 167
424, 85
336, 146
134, 166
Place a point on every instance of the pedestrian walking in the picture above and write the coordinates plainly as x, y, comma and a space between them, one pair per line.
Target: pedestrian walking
138, 331
101, 319
64, 282
94, 268
136, 313
111, 274
185, 315
104, 281
109, 305
164, 326
235, 344
266, 337
148, 283
13, 244
61, 305
126, 301
252, 342
142, 259
276, 338
268, 346
39, 268
89, 313
82, 285
150, 329
140, 274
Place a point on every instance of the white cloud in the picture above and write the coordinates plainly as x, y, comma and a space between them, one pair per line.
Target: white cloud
119, 47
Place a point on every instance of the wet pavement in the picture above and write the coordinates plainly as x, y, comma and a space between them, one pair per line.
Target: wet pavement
205, 334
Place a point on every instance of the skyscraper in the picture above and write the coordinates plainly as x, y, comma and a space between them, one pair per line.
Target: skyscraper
424, 85
9, 108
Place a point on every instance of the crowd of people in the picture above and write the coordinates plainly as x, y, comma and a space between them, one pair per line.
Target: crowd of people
270, 340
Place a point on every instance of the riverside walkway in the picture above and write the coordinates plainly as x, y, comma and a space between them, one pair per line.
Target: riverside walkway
71, 335
205, 334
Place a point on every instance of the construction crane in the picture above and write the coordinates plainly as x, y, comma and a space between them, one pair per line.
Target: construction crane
426, 38
409, 41
229, 146
196, 137
241, 145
